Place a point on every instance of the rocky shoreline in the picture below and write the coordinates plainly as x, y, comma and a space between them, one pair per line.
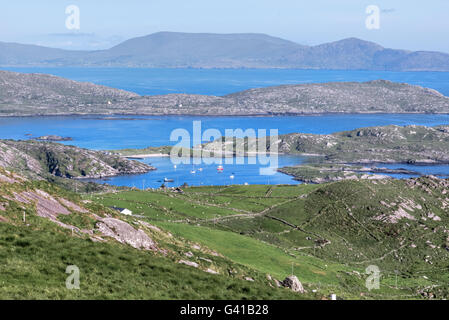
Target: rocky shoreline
39, 159
323, 173
53, 138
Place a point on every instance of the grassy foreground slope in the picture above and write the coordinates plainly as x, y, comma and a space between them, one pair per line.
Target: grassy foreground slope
118, 257
232, 242
328, 233
33, 265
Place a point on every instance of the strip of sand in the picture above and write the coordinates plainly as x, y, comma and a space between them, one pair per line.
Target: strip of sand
144, 156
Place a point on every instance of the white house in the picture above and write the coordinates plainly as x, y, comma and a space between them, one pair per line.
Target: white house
123, 211
126, 212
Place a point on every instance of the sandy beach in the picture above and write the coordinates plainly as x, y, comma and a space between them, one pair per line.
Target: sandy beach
144, 156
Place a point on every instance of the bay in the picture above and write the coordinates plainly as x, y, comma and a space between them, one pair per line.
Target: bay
205, 174
121, 132
142, 131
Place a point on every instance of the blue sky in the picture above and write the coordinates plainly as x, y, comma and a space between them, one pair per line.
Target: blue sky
405, 24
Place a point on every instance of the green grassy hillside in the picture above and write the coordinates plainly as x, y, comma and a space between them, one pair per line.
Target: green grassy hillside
231, 242
44, 229
328, 233
33, 264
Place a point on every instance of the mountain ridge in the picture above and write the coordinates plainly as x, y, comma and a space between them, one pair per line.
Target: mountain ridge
234, 50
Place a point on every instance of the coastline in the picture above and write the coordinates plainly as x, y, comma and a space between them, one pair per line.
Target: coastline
145, 156
221, 155
261, 115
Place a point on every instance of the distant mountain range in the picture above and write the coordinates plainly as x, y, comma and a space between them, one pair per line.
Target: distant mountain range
205, 50
38, 94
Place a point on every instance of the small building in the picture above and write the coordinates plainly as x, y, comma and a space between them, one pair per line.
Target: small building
126, 212
123, 211
178, 190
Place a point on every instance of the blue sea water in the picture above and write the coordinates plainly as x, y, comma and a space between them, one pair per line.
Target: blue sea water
440, 170
204, 174
224, 81
143, 131
127, 132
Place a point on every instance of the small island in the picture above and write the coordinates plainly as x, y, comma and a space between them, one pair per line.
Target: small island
53, 138
45, 93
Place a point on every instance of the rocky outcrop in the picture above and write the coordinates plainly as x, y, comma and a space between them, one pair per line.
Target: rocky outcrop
4, 178
72, 206
53, 138
35, 94
381, 144
51, 206
37, 159
189, 263
209, 270
294, 284
11, 157
46, 205
324, 172
125, 233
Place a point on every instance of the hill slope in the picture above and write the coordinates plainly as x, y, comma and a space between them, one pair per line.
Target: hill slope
37, 159
60, 164
240, 238
118, 257
205, 50
39, 93
400, 226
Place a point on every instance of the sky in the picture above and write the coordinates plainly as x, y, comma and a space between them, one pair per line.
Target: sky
403, 24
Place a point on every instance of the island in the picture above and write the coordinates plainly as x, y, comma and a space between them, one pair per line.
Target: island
38, 94
346, 154
53, 138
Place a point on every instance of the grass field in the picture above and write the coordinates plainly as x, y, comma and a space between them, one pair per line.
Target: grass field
237, 241
327, 233
33, 265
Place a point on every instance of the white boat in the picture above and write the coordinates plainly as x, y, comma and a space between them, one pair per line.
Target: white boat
231, 176
168, 180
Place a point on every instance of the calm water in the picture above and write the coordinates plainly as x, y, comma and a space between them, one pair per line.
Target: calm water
232, 174
222, 81
93, 133
143, 131
441, 171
